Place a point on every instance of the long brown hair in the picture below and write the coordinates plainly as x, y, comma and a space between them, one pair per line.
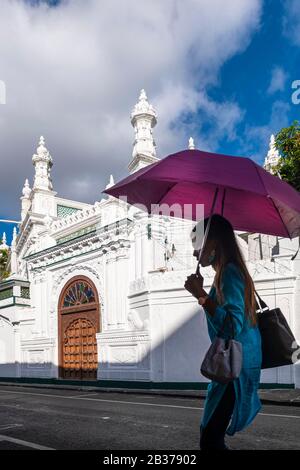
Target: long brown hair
227, 250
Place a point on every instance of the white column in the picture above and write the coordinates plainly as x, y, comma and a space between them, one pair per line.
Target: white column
18, 358
111, 290
122, 286
45, 305
38, 294
140, 247
158, 234
146, 264
296, 318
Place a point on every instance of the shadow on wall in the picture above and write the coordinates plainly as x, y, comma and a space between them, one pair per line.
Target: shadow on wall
173, 362
7, 376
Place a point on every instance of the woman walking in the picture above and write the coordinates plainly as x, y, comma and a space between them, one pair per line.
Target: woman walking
228, 407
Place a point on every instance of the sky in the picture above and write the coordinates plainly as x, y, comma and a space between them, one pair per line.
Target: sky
221, 72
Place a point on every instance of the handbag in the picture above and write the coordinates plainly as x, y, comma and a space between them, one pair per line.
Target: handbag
279, 346
223, 360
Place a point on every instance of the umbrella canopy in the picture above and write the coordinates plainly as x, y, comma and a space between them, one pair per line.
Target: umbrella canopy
251, 198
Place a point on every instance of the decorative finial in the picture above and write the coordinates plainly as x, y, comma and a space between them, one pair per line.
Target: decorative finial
143, 107
13, 259
111, 182
3, 245
42, 151
143, 95
273, 155
272, 140
14, 238
191, 144
42, 161
26, 191
143, 119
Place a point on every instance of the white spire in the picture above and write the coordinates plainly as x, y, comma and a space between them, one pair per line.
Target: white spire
25, 199
143, 119
111, 182
14, 238
191, 144
272, 157
42, 161
3, 245
143, 96
26, 191
13, 258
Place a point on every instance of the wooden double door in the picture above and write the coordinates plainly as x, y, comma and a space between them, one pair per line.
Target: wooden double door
79, 319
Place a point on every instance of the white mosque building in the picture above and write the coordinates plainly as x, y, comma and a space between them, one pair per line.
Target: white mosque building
96, 290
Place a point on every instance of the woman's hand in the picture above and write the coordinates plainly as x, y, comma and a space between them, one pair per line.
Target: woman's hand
202, 299
194, 284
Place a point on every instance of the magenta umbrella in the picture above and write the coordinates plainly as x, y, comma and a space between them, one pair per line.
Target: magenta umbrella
250, 197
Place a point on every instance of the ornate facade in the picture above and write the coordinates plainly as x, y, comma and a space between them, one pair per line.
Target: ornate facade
96, 290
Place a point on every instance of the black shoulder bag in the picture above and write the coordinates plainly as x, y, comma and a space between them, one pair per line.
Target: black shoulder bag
279, 346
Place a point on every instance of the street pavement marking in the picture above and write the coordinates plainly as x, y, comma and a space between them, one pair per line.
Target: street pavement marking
84, 395
102, 400
24, 443
279, 416
132, 403
10, 426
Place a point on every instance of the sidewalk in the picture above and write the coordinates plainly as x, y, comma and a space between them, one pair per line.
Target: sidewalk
280, 397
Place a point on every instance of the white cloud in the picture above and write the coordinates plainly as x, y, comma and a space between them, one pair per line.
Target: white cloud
74, 72
258, 137
291, 21
278, 80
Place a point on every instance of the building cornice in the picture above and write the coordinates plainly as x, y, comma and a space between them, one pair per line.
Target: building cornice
146, 159
110, 238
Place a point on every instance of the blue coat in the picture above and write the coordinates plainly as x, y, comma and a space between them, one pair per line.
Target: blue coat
247, 403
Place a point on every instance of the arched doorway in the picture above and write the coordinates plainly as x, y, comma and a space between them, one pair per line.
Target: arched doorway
78, 323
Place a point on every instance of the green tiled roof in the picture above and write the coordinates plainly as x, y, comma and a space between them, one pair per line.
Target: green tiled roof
6, 294
64, 211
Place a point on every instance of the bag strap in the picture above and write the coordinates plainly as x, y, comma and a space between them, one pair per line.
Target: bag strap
228, 316
262, 306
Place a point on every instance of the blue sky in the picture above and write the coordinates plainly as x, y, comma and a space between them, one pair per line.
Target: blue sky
226, 81
247, 78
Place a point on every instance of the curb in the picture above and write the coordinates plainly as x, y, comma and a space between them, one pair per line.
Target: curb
199, 394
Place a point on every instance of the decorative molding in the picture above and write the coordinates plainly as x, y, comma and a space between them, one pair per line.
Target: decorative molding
66, 271
77, 217
123, 355
4, 322
100, 239
270, 269
136, 322
61, 278
163, 280
122, 337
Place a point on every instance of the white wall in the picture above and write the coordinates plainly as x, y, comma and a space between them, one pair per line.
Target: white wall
7, 349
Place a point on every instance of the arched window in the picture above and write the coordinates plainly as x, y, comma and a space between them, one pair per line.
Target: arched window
78, 293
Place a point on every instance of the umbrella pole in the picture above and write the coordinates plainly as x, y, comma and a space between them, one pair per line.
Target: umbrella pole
206, 230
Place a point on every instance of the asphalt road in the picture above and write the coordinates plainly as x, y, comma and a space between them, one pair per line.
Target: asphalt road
33, 418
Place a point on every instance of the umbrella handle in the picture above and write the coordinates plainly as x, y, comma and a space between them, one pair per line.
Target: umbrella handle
294, 256
206, 231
